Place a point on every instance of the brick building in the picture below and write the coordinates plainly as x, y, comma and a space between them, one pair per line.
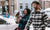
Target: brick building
44, 3
8, 5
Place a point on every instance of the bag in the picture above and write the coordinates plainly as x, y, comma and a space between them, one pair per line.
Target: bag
17, 28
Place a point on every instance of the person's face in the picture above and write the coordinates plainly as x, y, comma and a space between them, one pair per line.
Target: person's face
34, 5
37, 6
25, 12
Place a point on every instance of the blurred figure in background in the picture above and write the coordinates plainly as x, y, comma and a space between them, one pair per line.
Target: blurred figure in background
18, 17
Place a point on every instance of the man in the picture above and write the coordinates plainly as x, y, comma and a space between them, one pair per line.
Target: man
38, 18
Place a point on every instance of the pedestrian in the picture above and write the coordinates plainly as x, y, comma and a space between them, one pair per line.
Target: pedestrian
24, 19
38, 18
17, 19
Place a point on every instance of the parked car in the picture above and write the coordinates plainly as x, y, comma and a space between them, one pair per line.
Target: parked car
7, 23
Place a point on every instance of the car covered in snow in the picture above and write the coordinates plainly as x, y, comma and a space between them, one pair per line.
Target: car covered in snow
7, 23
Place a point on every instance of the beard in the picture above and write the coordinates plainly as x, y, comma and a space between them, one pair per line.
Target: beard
36, 8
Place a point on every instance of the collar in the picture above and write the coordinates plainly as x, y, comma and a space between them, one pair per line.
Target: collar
37, 10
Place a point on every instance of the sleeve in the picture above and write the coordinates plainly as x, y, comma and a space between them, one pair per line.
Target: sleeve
45, 18
29, 22
23, 21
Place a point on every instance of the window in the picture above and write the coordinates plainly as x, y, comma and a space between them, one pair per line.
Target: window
0, 9
26, 5
6, 7
21, 6
3, 10
12, 7
12, 2
6, 2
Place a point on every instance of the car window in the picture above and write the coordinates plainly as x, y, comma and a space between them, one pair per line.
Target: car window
2, 21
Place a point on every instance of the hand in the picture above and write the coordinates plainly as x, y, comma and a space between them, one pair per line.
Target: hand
19, 18
25, 29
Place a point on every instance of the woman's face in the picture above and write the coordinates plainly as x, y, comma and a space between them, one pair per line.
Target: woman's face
25, 12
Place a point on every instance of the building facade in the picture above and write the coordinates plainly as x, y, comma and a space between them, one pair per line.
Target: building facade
22, 4
11, 5
8, 6
44, 3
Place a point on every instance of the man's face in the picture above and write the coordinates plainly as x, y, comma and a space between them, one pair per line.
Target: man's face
34, 5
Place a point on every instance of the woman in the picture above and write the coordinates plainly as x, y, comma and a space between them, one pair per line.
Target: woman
24, 19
